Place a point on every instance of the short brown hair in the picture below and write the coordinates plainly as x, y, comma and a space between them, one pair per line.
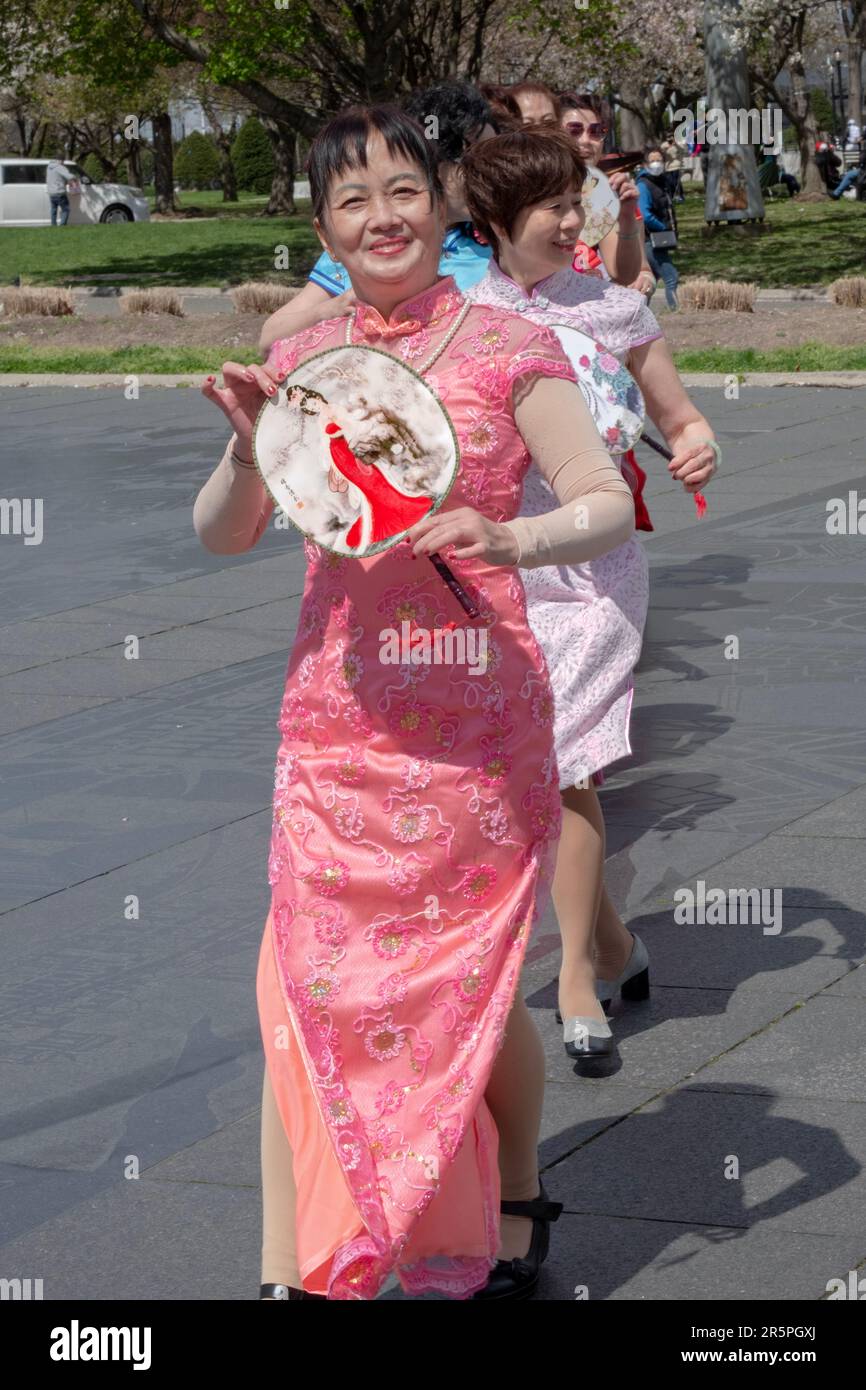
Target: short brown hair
539, 89
509, 172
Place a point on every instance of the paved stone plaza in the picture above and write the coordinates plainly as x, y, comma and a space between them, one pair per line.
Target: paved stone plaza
153, 777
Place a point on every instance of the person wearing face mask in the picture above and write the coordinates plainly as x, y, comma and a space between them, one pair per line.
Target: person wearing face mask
660, 221
619, 255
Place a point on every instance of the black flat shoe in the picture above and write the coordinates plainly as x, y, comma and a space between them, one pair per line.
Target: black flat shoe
518, 1278
288, 1292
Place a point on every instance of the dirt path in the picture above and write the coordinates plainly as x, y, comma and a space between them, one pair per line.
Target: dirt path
769, 327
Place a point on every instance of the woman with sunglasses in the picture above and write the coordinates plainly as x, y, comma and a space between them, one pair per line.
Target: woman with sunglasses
523, 190
584, 118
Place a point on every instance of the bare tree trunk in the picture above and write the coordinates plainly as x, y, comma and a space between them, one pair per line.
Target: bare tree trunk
224, 141
733, 189
282, 137
855, 80
228, 178
633, 132
163, 163
806, 127
133, 159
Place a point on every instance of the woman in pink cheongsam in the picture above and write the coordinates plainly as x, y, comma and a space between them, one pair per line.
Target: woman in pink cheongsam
415, 807
588, 618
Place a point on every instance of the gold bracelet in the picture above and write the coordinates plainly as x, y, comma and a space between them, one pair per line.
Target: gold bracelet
627, 236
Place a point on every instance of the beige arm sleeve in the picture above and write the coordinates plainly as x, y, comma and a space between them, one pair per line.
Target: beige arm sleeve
597, 511
232, 509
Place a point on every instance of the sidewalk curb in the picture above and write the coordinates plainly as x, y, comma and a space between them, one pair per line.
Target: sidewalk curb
188, 379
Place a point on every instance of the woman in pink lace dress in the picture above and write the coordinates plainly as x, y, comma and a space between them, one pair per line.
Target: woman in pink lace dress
589, 618
415, 806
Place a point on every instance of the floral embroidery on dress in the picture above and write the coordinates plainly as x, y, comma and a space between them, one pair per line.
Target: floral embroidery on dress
414, 810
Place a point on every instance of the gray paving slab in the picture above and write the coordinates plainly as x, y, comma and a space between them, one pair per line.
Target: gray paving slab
141, 1037
635, 1260
845, 817
815, 1050
734, 1157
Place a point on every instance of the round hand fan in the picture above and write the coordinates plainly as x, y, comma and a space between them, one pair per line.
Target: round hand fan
356, 448
601, 204
611, 392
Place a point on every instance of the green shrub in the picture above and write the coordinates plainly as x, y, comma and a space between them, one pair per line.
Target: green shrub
196, 161
252, 157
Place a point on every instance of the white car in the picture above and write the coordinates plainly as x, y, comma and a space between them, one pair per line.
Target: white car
24, 196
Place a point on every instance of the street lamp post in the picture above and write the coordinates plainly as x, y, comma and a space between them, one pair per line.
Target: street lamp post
837, 56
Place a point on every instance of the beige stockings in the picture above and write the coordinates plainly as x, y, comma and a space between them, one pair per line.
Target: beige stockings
515, 1094
588, 920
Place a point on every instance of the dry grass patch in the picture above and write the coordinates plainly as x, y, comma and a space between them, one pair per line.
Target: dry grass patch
49, 302
850, 292
152, 302
260, 297
699, 292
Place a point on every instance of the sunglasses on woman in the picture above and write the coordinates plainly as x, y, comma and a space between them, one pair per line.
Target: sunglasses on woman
595, 129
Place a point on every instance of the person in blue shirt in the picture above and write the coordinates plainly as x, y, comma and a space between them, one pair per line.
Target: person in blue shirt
658, 214
454, 115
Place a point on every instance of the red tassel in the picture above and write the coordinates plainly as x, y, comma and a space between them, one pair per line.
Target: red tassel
641, 515
700, 504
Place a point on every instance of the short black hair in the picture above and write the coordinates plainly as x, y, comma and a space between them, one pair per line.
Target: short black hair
585, 101
342, 144
458, 107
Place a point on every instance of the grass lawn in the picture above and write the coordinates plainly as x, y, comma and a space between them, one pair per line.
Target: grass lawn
234, 247
155, 358
807, 244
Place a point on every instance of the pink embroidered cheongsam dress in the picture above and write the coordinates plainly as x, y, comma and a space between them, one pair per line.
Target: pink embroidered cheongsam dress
589, 618
416, 813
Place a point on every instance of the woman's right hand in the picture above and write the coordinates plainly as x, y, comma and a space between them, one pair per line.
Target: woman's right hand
241, 395
341, 304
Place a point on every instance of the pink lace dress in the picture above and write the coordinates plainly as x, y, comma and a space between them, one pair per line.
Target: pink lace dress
589, 618
415, 817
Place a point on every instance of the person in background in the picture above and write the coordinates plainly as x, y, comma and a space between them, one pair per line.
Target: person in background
852, 134
770, 172
536, 101
57, 176
852, 175
463, 116
829, 164
673, 156
584, 117
503, 108
658, 216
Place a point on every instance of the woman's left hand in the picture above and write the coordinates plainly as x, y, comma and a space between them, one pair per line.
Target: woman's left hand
474, 534
625, 189
693, 466
645, 283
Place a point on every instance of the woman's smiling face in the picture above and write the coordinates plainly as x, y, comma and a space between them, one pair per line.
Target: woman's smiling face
382, 223
544, 235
